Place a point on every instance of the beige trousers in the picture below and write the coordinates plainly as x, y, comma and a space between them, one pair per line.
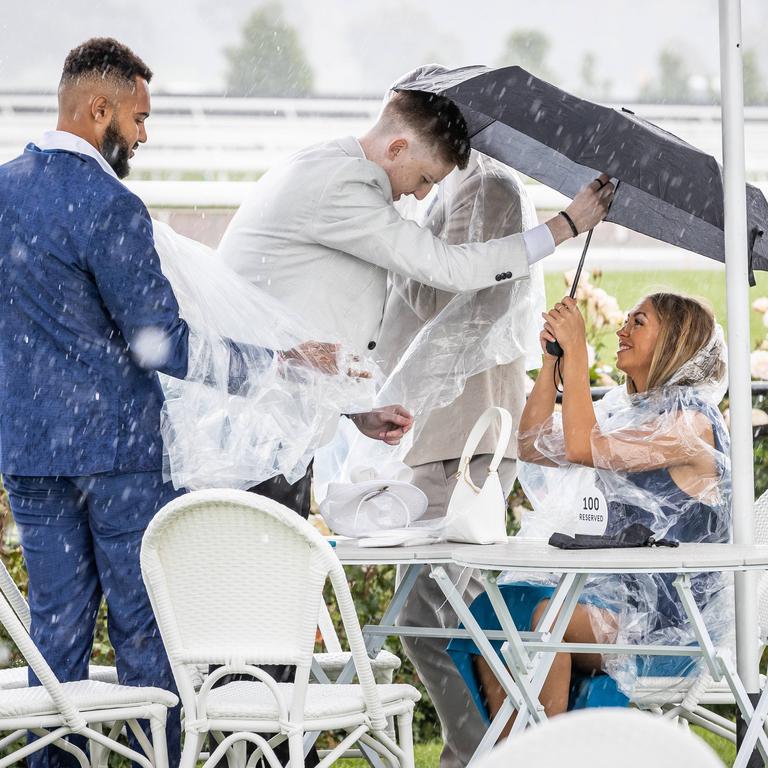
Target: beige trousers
426, 606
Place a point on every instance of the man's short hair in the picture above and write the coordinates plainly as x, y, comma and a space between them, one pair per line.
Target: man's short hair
104, 58
436, 120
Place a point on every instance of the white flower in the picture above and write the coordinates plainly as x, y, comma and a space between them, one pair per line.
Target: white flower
617, 318
760, 305
758, 364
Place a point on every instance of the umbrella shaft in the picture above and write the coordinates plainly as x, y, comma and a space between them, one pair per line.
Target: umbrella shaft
581, 264
586, 244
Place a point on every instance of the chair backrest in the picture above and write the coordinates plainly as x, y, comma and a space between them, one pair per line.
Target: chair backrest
235, 578
760, 512
20, 636
603, 738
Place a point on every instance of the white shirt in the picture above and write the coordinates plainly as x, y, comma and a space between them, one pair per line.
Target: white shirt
538, 243
72, 143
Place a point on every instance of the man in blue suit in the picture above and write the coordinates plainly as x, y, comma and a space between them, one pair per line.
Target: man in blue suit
86, 319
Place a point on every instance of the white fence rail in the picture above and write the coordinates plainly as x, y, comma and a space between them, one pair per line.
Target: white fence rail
213, 137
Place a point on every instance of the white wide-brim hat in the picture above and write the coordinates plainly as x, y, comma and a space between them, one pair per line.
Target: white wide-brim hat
363, 509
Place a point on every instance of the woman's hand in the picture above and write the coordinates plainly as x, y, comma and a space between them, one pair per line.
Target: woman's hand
544, 337
565, 324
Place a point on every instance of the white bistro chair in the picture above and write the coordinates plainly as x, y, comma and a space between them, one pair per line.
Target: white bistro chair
236, 580
55, 710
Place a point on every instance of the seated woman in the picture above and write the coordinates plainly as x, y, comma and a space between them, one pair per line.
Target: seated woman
659, 449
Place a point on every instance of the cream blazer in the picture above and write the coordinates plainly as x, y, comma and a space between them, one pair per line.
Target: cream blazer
320, 233
490, 202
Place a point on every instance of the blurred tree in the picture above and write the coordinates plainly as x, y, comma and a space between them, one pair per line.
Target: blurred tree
754, 84
587, 71
672, 81
270, 60
528, 48
591, 86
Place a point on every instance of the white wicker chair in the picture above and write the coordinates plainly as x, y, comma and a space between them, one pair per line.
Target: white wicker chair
689, 699
55, 710
602, 738
17, 677
236, 580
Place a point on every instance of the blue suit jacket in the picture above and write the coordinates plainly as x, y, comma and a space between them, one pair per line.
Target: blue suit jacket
80, 281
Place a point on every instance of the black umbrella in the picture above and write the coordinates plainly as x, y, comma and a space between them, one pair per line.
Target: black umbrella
669, 189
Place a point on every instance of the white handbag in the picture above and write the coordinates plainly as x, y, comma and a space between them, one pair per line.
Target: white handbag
477, 515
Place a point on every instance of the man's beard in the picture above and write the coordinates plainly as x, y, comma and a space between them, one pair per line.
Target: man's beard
116, 150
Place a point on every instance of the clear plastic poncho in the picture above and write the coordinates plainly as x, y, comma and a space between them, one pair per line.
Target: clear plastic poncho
240, 416
661, 459
429, 352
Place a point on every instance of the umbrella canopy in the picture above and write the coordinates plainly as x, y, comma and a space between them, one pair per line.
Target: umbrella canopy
670, 190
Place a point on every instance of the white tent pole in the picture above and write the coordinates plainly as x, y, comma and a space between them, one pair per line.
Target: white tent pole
736, 277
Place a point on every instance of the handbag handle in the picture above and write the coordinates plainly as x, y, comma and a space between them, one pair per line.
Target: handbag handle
480, 428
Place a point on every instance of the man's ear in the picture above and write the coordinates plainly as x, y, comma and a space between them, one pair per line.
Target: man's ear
101, 110
395, 147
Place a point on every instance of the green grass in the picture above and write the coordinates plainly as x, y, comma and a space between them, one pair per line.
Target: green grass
726, 751
427, 756
630, 287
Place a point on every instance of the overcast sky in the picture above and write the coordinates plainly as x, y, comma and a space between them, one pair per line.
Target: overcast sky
359, 47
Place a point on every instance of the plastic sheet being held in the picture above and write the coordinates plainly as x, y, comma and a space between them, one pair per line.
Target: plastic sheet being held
262, 391
643, 448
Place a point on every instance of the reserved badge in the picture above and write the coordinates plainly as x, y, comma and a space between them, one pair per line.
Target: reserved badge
592, 513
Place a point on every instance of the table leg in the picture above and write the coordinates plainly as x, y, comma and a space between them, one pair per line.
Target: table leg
456, 601
721, 665
562, 605
530, 672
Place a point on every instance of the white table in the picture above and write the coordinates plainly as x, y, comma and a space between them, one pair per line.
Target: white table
528, 660
529, 655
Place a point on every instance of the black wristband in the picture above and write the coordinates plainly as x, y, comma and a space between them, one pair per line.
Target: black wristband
570, 223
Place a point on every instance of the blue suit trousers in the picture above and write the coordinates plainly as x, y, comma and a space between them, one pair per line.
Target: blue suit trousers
81, 538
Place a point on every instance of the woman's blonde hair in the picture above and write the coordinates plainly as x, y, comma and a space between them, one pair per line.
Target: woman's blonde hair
685, 326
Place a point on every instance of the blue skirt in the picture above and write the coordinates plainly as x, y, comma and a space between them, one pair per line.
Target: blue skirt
521, 599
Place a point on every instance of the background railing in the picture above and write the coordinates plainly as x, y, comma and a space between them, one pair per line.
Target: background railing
213, 137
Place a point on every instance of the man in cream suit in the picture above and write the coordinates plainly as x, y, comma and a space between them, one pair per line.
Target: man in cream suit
319, 231
484, 201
